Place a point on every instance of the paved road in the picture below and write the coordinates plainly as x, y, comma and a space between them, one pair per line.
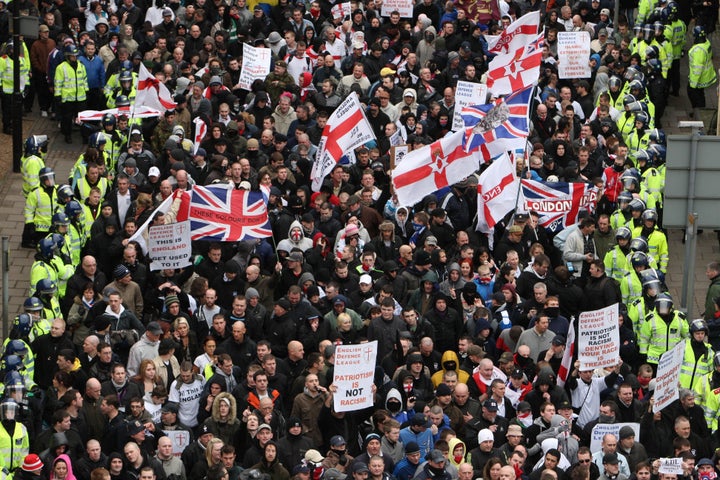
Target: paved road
62, 156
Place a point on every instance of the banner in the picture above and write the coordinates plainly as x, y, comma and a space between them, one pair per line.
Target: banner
602, 429
200, 131
668, 374
433, 167
574, 54
599, 338
405, 7
255, 65
181, 439
346, 129
671, 466
466, 94
557, 203
139, 235
497, 192
354, 375
169, 246
140, 111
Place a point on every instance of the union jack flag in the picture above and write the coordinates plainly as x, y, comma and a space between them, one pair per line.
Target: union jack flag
219, 212
557, 203
497, 127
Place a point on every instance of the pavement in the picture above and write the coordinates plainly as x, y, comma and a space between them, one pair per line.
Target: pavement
62, 156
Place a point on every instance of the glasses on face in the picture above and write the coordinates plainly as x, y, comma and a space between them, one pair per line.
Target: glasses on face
587, 460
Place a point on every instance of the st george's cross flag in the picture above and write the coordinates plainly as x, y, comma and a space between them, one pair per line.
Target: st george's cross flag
152, 92
518, 34
497, 192
557, 203
497, 127
566, 364
346, 129
517, 70
432, 167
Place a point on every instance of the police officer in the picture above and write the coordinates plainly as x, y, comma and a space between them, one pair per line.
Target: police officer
664, 328
71, 88
702, 72
697, 361
39, 208
32, 162
14, 440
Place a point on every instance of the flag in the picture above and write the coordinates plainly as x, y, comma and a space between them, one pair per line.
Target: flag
200, 131
433, 167
497, 192
497, 127
221, 213
557, 203
152, 92
567, 360
516, 35
516, 70
140, 111
346, 129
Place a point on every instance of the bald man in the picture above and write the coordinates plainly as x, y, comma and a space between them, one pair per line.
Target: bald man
507, 473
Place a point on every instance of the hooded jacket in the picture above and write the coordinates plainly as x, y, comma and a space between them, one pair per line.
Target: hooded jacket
225, 430
302, 243
453, 443
448, 357
68, 462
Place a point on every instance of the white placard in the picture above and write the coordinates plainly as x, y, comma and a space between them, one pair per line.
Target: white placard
574, 54
255, 65
599, 338
602, 429
668, 374
169, 246
405, 7
341, 10
400, 152
353, 375
467, 94
672, 466
180, 440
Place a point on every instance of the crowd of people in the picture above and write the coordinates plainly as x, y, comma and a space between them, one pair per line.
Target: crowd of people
225, 367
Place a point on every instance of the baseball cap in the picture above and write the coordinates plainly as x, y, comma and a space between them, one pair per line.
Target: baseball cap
154, 172
431, 240
170, 407
610, 458
564, 405
436, 456
154, 328
314, 456
491, 405
558, 340
337, 440
264, 426
420, 420
523, 406
366, 279
360, 467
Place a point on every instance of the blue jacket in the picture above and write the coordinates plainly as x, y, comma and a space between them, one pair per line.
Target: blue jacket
95, 71
423, 439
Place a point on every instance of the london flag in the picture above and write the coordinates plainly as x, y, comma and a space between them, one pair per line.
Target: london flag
557, 203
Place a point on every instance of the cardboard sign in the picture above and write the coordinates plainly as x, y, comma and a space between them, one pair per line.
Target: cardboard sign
668, 374
398, 153
599, 338
255, 65
467, 94
602, 429
405, 7
574, 54
169, 246
180, 440
672, 466
353, 375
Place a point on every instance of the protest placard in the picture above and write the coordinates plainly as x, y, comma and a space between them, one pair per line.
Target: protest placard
467, 94
340, 10
180, 440
353, 375
574, 54
405, 7
169, 246
255, 65
602, 429
398, 152
668, 374
599, 338
672, 466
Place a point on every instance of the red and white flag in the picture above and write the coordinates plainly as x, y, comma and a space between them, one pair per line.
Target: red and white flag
152, 92
346, 129
433, 167
518, 34
567, 361
508, 73
200, 131
140, 111
497, 192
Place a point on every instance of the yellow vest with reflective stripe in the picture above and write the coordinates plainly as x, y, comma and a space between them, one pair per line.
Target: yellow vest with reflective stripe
694, 369
657, 337
71, 83
13, 447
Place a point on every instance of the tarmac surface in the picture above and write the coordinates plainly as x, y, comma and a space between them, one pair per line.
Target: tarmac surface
62, 156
